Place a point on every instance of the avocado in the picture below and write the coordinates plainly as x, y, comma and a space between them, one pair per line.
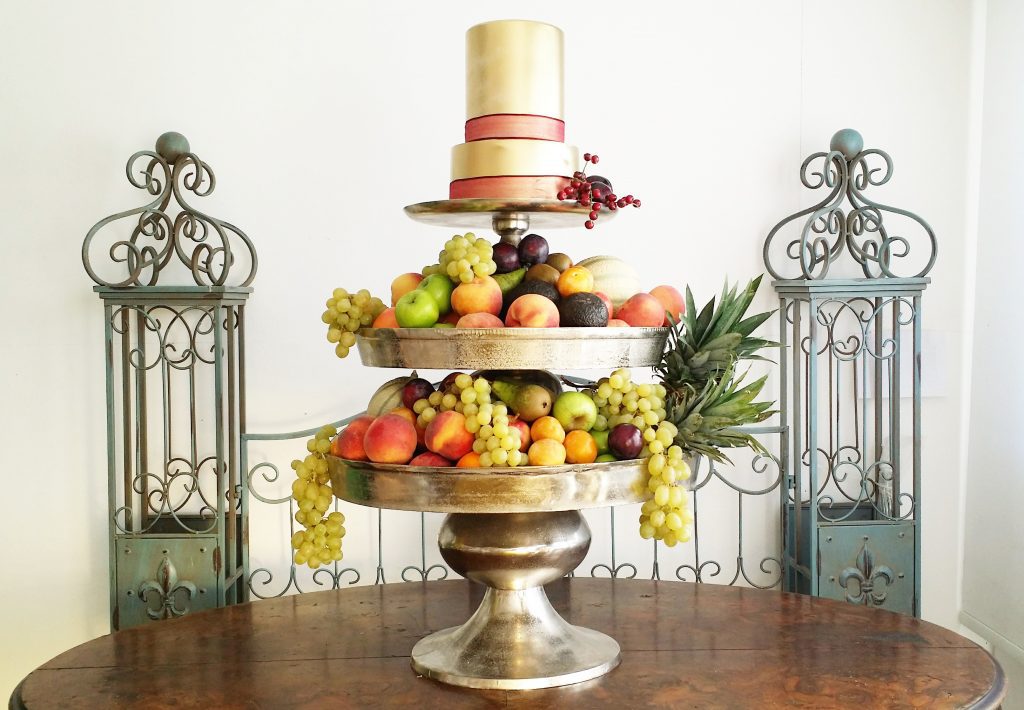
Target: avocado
540, 287
583, 310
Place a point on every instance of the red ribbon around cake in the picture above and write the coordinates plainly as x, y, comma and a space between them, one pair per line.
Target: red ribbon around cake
524, 187
515, 125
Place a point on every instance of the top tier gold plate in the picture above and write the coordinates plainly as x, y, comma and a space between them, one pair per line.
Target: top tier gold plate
487, 213
511, 348
488, 490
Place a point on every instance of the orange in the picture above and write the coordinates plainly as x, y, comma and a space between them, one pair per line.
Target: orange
547, 428
580, 447
575, 279
547, 452
470, 460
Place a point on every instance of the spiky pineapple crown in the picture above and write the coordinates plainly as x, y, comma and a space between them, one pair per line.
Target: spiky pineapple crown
705, 399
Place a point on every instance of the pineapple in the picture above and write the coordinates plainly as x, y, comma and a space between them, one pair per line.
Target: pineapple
705, 399
702, 345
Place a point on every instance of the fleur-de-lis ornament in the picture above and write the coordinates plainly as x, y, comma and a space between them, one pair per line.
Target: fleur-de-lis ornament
165, 588
867, 591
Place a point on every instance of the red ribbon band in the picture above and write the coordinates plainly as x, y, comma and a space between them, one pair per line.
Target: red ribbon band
515, 125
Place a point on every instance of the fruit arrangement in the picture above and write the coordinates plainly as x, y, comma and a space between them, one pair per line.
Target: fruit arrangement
512, 418
480, 285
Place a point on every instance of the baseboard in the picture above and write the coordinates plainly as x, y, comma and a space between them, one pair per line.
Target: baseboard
998, 641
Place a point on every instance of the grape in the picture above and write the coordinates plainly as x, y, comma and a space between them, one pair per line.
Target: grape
465, 258
346, 314
496, 440
320, 542
664, 515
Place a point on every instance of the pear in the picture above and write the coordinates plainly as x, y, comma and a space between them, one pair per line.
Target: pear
528, 401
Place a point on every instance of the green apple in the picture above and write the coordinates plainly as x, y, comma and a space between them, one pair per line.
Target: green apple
443, 325
575, 410
605, 458
416, 309
601, 437
440, 287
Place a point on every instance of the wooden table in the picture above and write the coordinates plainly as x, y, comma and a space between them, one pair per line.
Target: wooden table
683, 646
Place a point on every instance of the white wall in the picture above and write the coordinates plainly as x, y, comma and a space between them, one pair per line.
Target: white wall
994, 529
323, 119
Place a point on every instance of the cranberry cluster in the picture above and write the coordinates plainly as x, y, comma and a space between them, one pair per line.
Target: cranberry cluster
595, 192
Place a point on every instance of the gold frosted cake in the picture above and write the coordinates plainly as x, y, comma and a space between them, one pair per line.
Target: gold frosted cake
515, 129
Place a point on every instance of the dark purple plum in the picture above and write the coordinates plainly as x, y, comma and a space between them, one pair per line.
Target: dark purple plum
506, 257
625, 441
533, 249
414, 390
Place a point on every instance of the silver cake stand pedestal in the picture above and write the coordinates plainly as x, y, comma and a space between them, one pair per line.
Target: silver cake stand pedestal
510, 219
512, 530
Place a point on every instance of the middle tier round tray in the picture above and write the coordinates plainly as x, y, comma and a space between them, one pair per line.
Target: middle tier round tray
522, 348
527, 489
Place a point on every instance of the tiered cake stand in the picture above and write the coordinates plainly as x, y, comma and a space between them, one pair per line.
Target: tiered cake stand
511, 529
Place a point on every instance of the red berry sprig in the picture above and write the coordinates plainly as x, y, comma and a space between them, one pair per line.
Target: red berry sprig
594, 192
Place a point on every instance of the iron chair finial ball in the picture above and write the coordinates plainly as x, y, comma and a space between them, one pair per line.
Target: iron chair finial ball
171, 146
848, 142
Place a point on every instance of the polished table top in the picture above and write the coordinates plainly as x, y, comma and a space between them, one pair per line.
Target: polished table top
683, 645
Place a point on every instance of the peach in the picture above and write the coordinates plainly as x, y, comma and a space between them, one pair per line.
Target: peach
617, 323
607, 302
575, 279
408, 414
431, 459
671, 300
386, 319
532, 311
481, 295
642, 310
547, 428
390, 439
470, 460
524, 433
447, 435
580, 447
479, 320
349, 443
403, 285
547, 452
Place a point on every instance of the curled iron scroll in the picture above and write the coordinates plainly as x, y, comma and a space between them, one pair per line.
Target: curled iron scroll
846, 218
208, 247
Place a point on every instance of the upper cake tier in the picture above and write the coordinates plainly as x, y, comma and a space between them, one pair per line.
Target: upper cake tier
514, 114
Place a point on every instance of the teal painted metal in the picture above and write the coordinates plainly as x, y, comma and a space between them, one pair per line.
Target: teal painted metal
852, 515
176, 393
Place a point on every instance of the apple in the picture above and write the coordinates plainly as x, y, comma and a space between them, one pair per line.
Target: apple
481, 295
601, 438
403, 285
416, 309
524, 433
440, 287
415, 389
625, 441
607, 302
575, 410
605, 458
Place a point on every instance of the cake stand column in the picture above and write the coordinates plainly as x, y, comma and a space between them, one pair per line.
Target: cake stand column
515, 640
511, 226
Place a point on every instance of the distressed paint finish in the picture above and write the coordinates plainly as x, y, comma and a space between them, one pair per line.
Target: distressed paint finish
683, 645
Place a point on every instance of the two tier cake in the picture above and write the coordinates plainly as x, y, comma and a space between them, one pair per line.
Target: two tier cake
515, 129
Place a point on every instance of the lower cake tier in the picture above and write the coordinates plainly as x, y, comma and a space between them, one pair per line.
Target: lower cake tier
521, 168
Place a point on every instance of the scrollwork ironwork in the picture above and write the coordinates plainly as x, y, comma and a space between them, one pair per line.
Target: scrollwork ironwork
829, 226
207, 246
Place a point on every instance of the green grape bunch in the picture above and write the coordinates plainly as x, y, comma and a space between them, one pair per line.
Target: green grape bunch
346, 314
319, 542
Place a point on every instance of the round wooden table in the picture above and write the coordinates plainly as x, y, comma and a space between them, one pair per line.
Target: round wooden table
683, 646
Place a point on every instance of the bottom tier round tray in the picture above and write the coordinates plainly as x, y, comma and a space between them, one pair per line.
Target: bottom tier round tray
512, 530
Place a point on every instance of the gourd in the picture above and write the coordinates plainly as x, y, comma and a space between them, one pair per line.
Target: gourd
613, 277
